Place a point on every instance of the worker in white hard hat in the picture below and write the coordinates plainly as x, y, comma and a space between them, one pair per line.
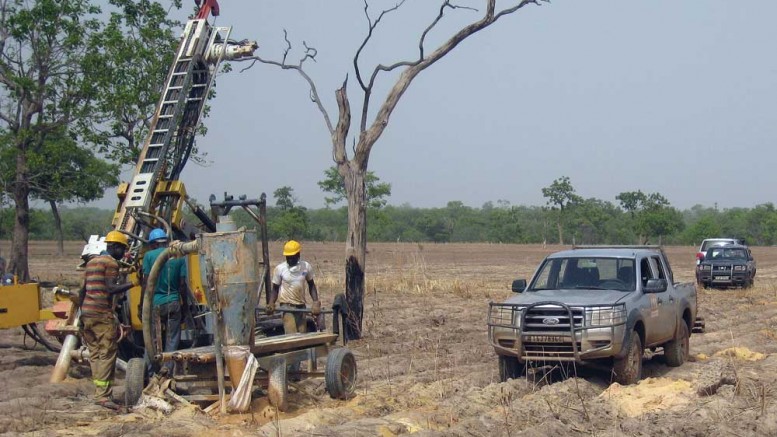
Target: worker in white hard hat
99, 326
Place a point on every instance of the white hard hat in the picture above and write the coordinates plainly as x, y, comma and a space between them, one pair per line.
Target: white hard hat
95, 246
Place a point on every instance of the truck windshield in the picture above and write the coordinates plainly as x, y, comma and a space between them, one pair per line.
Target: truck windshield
706, 244
726, 253
586, 273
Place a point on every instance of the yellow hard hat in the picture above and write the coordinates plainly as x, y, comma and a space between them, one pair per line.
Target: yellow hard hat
117, 237
291, 248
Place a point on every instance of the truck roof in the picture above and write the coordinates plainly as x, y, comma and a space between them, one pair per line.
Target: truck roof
606, 251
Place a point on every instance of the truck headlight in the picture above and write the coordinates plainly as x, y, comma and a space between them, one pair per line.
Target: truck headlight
705, 267
517, 312
606, 316
739, 268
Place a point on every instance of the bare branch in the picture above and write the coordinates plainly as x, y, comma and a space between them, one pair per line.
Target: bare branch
288, 46
343, 124
371, 135
310, 53
518, 6
445, 4
368, 88
298, 68
370, 28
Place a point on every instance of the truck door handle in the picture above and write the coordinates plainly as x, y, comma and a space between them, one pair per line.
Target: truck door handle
660, 301
671, 300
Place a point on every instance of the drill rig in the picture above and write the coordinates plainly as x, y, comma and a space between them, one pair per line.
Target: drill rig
155, 197
225, 273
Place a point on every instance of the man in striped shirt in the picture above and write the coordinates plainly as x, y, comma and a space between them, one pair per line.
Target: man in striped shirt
99, 327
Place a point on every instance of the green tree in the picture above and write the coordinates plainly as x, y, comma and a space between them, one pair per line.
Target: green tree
561, 196
633, 202
290, 224
137, 46
703, 228
284, 198
377, 192
592, 217
47, 75
292, 220
64, 172
504, 224
652, 215
60, 77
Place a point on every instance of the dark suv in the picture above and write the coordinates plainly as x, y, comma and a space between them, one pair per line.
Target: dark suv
731, 265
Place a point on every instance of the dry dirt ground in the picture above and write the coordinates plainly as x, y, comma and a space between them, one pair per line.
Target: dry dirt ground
425, 366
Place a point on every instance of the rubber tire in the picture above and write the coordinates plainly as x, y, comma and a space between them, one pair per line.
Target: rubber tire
510, 368
340, 374
676, 351
277, 388
134, 381
628, 370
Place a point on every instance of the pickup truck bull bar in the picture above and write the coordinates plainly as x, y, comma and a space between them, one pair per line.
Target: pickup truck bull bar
547, 330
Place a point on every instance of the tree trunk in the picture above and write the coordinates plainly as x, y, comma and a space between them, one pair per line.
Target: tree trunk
19, 265
355, 251
58, 227
560, 231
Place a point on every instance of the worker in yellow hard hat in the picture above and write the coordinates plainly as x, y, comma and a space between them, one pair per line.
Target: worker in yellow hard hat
99, 326
288, 287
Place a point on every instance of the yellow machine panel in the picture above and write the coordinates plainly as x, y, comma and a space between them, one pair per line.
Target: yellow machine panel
194, 282
19, 305
134, 300
194, 279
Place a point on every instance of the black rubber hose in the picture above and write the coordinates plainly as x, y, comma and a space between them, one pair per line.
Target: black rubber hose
148, 294
148, 302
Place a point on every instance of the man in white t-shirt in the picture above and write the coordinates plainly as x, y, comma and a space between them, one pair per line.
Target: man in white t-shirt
288, 287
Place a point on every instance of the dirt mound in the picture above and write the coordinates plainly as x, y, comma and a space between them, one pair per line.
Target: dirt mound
652, 394
740, 353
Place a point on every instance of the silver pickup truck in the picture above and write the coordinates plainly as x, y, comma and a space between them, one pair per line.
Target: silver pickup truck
595, 303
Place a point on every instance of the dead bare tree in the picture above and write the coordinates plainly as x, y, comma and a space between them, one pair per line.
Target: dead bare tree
354, 168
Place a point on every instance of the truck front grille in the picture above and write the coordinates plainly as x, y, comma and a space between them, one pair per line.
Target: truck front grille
552, 318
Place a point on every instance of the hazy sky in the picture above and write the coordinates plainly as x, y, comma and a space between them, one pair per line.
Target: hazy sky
676, 97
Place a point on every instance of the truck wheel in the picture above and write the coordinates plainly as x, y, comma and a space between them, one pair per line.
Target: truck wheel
510, 368
277, 386
340, 374
628, 370
134, 381
676, 351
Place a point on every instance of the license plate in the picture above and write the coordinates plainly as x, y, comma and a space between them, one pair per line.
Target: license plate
721, 278
546, 339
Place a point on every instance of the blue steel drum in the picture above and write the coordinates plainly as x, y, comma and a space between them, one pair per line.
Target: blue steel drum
232, 258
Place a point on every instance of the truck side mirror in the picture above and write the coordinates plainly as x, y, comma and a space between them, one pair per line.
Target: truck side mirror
655, 286
519, 285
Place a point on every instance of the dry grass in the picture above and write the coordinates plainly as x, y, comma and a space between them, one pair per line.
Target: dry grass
425, 363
